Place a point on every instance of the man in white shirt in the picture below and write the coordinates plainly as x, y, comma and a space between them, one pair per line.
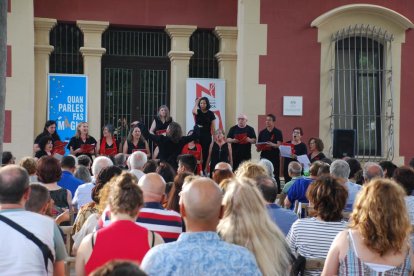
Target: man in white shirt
83, 192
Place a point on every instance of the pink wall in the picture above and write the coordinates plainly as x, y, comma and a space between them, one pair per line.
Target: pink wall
292, 64
155, 13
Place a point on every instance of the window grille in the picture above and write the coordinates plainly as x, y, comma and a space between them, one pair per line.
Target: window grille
361, 82
66, 58
205, 45
138, 43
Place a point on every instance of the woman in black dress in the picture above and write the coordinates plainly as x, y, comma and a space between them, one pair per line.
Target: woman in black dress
315, 150
220, 151
205, 119
170, 146
82, 142
136, 141
299, 148
45, 147
50, 131
161, 121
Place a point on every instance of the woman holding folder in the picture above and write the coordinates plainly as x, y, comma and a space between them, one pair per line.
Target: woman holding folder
82, 142
50, 131
108, 143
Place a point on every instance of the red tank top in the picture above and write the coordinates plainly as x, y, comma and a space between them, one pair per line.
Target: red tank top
121, 239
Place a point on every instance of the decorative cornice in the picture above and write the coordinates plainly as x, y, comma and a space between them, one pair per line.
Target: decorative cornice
226, 32
391, 15
226, 56
87, 51
92, 26
43, 49
44, 24
180, 30
180, 55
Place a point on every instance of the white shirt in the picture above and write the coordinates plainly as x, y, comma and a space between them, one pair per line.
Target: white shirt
83, 194
137, 173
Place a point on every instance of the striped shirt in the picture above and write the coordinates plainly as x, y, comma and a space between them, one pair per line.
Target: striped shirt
312, 238
167, 223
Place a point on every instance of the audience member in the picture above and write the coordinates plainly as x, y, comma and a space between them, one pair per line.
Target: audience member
220, 175
268, 165
137, 161
49, 173
246, 222
187, 163
83, 174
120, 160
324, 169
118, 268
166, 171
372, 170
388, 168
114, 241
354, 166
7, 158
405, 177
174, 195
84, 160
376, 243
294, 171
282, 217
29, 164
83, 192
312, 237
340, 169
150, 166
68, 181
18, 255
298, 190
250, 170
223, 166
200, 251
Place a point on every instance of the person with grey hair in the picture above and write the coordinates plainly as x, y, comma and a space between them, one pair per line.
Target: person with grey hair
83, 174
84, 191
137, 161
223, 166
372, 170
294, 171
120, 160
340, 169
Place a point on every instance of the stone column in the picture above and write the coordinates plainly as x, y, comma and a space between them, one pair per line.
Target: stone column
227, 60
179, 55
92, 52
42, 50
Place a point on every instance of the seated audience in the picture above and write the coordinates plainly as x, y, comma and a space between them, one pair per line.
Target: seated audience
49, 173
294, 171
137, 161
220, 175
405, 177
298, 190
186, 163
84, 160
388, 168
118, 268
150, 166
354, 167
223, 166
120, 161
312, 237
250, 170
340, 169
29, 164
372, 170
246, 222
377, 241
83, 174
19, 255
174, 195
281, 217
123, 238
7, 158
200, 251
68, 180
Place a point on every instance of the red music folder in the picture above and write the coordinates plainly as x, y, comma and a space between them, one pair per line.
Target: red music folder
242, 137
59, 147
161, 132
87, 148
262, 146
110, 151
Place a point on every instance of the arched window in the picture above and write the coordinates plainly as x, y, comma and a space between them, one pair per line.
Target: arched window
205, 45
66, 58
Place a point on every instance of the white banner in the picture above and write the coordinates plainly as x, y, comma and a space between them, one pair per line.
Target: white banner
215, 91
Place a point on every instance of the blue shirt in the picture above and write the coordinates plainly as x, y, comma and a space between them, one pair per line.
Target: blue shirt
298, 191
69, 182
353, 190
283, 218
199, 253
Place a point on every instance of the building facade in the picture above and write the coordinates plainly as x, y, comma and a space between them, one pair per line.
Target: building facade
349, 61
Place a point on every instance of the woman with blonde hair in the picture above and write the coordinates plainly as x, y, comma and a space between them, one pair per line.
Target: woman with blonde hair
82, 142
250, 170
377, 242
246, 222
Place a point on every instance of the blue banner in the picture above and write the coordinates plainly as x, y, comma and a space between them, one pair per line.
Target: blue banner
68, 103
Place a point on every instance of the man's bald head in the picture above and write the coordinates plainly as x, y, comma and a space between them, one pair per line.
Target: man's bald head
372, 170
14, 182
153, 187
222, 166
201, 201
